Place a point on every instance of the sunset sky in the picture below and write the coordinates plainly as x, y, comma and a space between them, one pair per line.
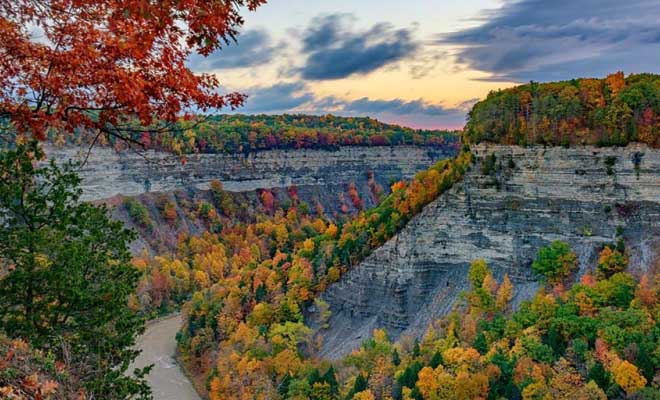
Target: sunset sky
423, 63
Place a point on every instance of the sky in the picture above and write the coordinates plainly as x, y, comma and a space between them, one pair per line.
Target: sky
424, 63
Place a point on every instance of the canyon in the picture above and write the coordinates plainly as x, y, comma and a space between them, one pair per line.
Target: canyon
527, 198
512, 202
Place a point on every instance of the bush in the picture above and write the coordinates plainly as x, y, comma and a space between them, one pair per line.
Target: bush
555, 262
138, 212
488, 166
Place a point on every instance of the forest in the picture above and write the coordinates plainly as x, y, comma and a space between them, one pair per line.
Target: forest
242, 134
252, 280
248, 133
613, 111
594, 339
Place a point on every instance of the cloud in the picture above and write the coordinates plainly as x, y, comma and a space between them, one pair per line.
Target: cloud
394, 107
297, 98
417, 113
278, 98
253, 48
334, 51
562, 39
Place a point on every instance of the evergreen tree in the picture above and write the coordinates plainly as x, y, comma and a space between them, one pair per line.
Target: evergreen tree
331, 378
360, 385
436, 360
396, 359
65, 275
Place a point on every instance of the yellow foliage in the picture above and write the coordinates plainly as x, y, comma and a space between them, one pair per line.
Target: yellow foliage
332, 231
308, 245
504, 294
202, 279
627, 376
459, 357
366, 395
536, 391
286, 362
490, 284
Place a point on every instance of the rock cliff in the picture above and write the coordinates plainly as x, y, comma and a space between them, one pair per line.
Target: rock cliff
108, 173
322, 178
502, 213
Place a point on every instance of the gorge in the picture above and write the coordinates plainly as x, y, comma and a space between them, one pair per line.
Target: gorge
503, 213
513, 201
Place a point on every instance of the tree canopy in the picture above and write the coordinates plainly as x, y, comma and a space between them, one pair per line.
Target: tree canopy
66, 276
101, 65
616, 110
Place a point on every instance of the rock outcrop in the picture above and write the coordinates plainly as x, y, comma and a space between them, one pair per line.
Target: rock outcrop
531, 196
108, 173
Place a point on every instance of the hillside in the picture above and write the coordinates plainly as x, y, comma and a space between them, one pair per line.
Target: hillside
307, 258
616, 110
199, 200
26, 373
512, 203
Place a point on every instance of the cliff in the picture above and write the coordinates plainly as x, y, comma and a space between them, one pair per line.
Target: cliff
108, 173
322, 178
502, 213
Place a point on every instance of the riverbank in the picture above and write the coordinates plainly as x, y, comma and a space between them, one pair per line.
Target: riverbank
158, 345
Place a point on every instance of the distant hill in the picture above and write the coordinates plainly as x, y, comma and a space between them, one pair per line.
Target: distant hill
247, 133
611, 111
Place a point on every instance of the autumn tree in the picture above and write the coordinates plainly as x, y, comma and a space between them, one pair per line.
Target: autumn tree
101, 65
66, 275
611, 261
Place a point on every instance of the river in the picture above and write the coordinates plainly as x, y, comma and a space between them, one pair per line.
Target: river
158, 345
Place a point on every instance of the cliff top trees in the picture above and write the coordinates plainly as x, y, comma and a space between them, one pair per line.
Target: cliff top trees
99, 65
615, 111
65, 275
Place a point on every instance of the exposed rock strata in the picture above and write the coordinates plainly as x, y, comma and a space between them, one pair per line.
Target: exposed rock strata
108, 173
535, 195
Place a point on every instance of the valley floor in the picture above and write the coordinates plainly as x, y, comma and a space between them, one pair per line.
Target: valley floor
158, 345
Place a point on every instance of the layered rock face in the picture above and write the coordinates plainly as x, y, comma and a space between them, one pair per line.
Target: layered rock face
532, 196
108, 173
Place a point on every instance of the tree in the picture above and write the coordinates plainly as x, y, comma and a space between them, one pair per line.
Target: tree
627, 376
477, 273
504, 293
610, 262
68, 275
365, 395
359, 385
99, 64
555, 262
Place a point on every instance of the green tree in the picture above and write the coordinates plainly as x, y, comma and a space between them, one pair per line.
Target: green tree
65, 275
555, 261
477, 273
360, 385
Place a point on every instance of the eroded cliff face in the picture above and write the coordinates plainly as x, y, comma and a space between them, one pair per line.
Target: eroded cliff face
584, 196
108, 173
328, 179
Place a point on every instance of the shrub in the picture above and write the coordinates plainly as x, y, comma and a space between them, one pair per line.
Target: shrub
488, 166
169, 211
138, 212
